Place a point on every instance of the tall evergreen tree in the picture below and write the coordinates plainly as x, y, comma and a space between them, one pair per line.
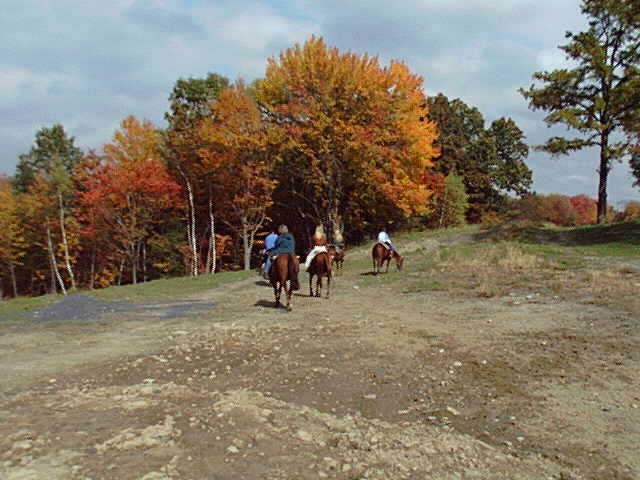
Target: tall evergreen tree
599, 92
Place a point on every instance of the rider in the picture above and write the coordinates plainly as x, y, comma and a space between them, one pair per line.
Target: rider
285, 243
383, 238
319, 245
269, 244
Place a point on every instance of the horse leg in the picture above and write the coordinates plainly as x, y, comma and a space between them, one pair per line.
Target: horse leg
311, 284
319, 285
276, 292
328, 284
288, 290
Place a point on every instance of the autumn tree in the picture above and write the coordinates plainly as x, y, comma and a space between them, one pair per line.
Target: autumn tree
356, 147
598, 93
191, 102
130, 193
12, 244
238, 151
585, 208
51, 161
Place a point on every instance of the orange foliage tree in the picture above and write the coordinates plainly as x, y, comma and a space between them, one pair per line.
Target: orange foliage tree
239, 154
12, 244
359, 146
129, 192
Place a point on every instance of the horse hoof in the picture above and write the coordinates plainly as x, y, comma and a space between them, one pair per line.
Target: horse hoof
289, 308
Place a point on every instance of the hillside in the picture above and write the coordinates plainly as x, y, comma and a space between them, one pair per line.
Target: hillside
504, 354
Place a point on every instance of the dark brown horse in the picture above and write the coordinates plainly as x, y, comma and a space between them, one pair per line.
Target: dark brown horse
381, 254
284, 275
320, 267
336, 255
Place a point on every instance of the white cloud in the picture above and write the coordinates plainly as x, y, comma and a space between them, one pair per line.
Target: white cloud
88, 64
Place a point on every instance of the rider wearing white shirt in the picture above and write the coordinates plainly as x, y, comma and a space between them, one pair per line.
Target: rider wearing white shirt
383, 238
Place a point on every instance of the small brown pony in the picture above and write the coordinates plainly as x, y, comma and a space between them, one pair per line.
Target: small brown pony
320, 267
337, 257
284, 275
381, 254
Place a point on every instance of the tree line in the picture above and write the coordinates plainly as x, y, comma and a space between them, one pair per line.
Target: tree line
325, 137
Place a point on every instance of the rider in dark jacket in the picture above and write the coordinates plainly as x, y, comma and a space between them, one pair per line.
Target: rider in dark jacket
284, 244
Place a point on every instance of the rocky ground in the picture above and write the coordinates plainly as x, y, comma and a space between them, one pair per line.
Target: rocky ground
390, 378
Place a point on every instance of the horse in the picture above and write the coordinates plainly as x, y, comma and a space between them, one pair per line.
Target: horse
381, 254
284, 275
337, 257
320, 267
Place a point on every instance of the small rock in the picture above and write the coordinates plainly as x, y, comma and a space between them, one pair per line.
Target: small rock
232, 449
371, 396
304, 436
453, 411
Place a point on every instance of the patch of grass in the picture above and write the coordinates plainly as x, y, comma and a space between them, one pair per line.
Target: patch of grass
617, 239
170, 288
26, 304
425, 286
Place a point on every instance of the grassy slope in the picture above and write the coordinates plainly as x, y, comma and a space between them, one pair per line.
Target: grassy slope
490, 263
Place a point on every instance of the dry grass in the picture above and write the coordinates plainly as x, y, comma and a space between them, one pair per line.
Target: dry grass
494, 257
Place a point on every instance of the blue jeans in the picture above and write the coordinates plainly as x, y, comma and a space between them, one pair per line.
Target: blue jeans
267, 264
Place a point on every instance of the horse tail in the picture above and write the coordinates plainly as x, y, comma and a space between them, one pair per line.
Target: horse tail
293, 274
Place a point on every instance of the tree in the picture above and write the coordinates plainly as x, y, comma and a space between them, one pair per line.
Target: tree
130, 201
586, 209
450, 204
598, 94
356, 147
52, 149
491, 161
459, 126
558, 209
51, 160
129, 192
238, 152
12, 243
508, 171
192, 101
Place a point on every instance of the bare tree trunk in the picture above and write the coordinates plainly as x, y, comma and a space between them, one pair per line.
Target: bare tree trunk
93, 266
245, 244
14, 284
212, 241
191, 225
134, 262
52, 258
120, 271
65, 244
144, 261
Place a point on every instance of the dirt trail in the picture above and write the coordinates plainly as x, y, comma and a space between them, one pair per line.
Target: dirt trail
379, 382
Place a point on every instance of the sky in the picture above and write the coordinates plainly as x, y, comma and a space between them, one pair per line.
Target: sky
88, 64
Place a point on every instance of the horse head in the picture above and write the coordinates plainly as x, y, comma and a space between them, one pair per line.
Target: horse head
399, 261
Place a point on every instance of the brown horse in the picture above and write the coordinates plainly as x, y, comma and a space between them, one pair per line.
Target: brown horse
336, 255
381, 254
284, 275
320, 267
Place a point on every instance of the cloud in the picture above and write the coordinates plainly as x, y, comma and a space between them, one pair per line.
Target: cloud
88, 64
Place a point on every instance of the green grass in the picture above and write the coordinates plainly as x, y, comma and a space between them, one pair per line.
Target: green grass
26, 304
170, 288
427, 286
164, 289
